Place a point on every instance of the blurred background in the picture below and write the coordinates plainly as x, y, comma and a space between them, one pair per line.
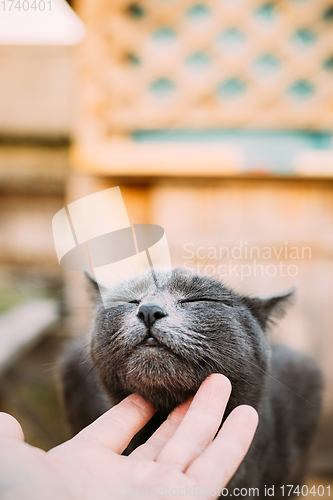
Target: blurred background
215, 118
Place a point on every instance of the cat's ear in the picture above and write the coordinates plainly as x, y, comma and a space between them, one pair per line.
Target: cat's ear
93, 287
267, 308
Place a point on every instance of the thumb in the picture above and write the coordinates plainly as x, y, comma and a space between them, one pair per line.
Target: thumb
9, 427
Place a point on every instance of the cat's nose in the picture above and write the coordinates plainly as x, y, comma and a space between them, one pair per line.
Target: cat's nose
149, 313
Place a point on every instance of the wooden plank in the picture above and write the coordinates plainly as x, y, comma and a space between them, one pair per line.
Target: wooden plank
22, 327
123, 157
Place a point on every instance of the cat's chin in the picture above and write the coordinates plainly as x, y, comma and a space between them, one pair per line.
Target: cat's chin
153, 350
152, 364
160, 377
164, 394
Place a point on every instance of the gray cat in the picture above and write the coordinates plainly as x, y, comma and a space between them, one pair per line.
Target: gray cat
161, 338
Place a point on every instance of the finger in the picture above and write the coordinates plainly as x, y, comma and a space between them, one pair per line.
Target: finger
219, 462
151, 449
199, 425
10, 427
116, 428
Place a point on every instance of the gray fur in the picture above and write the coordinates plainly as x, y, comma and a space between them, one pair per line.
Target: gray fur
226, 333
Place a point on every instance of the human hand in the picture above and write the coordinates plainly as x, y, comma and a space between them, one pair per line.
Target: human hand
180, 456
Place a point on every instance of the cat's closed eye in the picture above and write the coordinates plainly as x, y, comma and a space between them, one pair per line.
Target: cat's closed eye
203, 299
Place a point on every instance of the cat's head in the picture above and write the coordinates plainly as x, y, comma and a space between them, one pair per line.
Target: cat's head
161, 338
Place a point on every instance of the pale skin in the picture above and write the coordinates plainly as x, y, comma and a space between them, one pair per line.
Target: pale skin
180, 454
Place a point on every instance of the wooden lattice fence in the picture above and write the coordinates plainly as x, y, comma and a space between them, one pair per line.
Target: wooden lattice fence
215, 63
